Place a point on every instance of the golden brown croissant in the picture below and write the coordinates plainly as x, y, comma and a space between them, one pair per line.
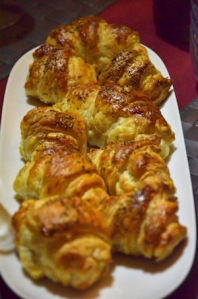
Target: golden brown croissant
134, 71
68, 240
63, 239
113, 114
57, 170
130, 167
142, 217
144, 223
79, 52
53, 71
46, 126
94, 40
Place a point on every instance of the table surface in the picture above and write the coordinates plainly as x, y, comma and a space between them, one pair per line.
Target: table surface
170, 40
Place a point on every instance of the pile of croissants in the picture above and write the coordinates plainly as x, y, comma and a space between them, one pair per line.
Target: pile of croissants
95, 179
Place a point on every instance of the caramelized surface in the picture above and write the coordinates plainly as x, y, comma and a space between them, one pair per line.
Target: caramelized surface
131, 166
113, 114
59, 171
93, 39
134, 71
53, 71
64, 240
46, 126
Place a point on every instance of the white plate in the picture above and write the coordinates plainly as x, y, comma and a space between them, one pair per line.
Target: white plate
129, 277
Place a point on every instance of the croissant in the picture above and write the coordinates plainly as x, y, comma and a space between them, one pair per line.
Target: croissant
113, 114
54, 144
131, 166
46, 126
63, 239
53, 71
89, 51
68, 240
94, 40
144, 223
60, 171
134, 71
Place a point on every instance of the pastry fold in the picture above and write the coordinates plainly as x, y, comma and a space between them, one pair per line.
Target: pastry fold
54, 71
64, 240
44, 126
134, 71
113, 114
131, 166
92, 51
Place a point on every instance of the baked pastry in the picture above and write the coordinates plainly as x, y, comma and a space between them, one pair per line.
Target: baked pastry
70, 241
140, 222
64, 240
81, 99
58, 170
93, 39
77, 208
132, 166
46, 126
113, 114
53, 71
134, 71
134, 172
89, 51
54, 145
144, 223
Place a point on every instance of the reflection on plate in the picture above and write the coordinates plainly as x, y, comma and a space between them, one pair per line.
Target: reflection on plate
129, 277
